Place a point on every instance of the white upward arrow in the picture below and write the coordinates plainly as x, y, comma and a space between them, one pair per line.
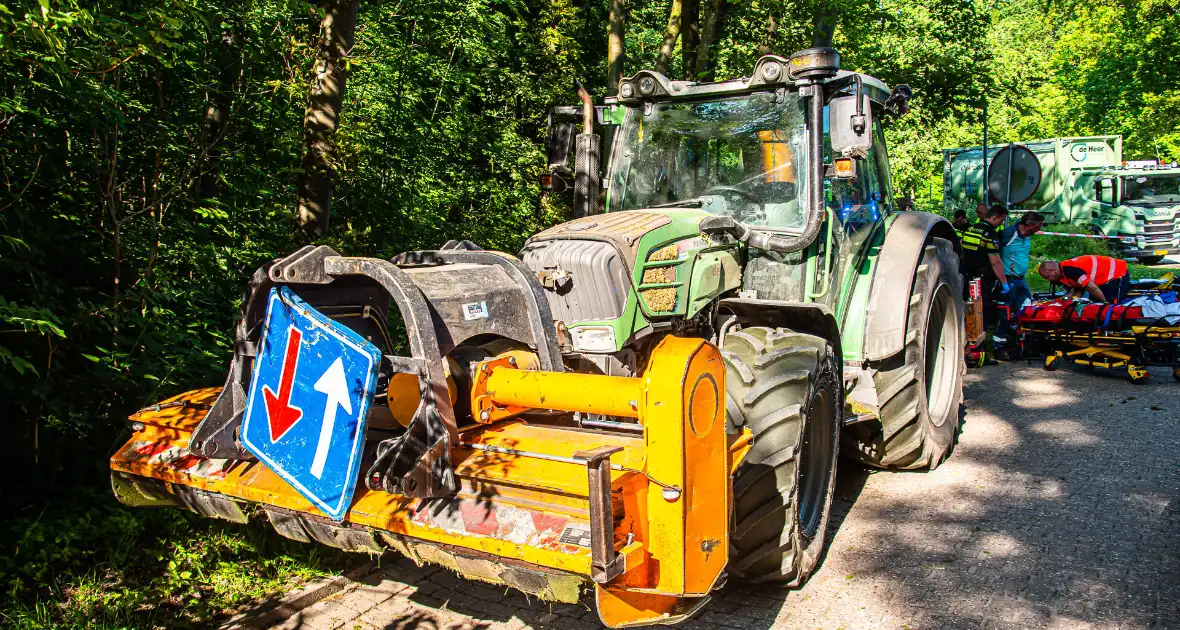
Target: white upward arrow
335, 386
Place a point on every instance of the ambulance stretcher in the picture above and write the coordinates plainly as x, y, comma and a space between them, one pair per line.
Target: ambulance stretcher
1108, 336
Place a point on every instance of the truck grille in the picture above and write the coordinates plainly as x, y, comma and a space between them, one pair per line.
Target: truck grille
1155, 227
598, 285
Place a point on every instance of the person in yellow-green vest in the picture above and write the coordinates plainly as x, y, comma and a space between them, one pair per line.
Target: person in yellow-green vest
981, 260
960, 223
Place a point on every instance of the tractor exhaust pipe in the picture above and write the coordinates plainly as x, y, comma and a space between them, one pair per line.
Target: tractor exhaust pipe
588, 147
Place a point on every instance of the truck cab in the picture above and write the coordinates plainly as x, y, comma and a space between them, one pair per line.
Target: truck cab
1141, 209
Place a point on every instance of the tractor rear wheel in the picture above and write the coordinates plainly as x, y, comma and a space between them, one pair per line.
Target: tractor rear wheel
919, 394
785, 387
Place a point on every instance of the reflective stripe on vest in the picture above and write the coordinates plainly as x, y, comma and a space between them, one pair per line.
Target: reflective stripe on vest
1099, 269
973, 239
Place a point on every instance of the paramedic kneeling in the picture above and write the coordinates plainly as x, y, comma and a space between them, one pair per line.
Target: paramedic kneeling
1015, 243
1105, 278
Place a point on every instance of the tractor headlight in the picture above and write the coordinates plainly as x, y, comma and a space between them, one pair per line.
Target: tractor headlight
593, 338
627, 89
647, 85
772, 71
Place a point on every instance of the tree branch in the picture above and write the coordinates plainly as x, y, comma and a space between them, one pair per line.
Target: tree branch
36, 168
671, 34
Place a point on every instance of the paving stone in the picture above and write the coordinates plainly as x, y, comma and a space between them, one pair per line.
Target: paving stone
387, 611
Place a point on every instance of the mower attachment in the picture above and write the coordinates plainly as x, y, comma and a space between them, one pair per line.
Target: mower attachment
504, 471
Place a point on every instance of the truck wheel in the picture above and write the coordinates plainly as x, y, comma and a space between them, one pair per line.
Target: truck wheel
1150, 260
920, 392
783, 386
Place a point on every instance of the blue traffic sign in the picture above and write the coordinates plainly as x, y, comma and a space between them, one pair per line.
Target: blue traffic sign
309, 399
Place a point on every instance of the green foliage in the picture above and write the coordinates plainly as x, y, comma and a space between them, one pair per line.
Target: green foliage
1047, 247
164, 568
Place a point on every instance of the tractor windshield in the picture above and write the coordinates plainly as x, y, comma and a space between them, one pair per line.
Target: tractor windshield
741, 157
1151, 189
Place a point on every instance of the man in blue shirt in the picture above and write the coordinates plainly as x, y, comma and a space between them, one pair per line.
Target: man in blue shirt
1015, 242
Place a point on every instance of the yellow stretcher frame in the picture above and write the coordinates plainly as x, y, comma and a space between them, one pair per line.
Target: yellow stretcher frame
1108, 350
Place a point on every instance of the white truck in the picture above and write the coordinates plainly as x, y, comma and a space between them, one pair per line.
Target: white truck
1084, 181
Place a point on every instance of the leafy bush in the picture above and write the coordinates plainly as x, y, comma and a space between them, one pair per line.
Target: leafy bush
102, 565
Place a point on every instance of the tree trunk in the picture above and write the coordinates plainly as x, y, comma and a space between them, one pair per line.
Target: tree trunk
824, 24
616, 53
322, 116
690, 36
227, 56
670, 35
710, 34
767, 46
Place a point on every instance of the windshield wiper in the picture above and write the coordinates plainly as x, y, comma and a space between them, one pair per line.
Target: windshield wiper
695, 202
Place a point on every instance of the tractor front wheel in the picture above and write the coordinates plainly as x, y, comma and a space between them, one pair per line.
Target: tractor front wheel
920, 390
783, 386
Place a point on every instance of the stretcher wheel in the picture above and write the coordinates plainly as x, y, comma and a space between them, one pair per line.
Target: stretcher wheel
1176, 373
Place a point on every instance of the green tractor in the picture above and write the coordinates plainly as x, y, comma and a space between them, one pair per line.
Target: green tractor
758, 213
651, 398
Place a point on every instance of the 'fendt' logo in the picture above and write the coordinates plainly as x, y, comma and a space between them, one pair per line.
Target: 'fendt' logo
1079, 151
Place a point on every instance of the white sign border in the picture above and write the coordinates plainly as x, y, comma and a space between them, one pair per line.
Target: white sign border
362, 414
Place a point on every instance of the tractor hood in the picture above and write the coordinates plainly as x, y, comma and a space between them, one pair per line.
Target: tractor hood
591, 269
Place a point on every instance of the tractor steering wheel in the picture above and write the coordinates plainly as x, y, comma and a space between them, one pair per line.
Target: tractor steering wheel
750, 212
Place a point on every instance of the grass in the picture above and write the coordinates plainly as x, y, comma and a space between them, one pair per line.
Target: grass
98, 564
1045, 247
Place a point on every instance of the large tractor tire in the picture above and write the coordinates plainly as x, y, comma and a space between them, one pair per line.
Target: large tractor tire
921, 391
785, 387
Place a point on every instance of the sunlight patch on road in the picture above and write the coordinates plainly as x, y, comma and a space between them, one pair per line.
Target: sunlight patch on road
1066, 432
1001, 435
1041, 392
1149, 504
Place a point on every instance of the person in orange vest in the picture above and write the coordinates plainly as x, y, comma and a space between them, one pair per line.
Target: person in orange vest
1104, 278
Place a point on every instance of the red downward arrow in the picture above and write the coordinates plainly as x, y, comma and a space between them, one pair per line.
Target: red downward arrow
281, 415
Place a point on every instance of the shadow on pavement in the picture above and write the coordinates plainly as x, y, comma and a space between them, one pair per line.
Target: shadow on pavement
1057, 509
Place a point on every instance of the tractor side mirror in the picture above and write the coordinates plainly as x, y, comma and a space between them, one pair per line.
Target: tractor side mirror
851, 125
559, 178
561, 143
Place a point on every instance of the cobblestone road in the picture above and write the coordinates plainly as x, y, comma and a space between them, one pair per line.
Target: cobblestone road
1058, 509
